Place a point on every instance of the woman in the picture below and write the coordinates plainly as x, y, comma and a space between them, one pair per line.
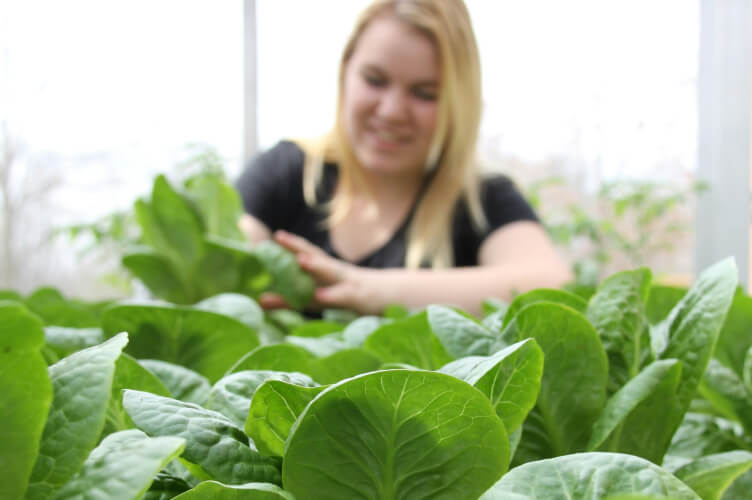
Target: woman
389, 206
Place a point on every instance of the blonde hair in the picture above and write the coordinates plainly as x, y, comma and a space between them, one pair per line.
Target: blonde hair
452, 154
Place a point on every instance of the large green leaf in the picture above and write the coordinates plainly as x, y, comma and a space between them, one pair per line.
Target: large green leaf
544, 295
166, 486
747, 375
617, 311
357, 331
65, 341
342, 364
82, 383
573, 387
588, 476
280, 357
129, 374
275, 407
229, 266
159, 274
182, 383
170, 224
288, 279
728, 394
122, 466
711, 475
693, 325
235, 305
736, 335
460, 335
396, 434
207, 342
637, 419
700, 435
26, 399
231, 396
409, 341
510, 378
219, 205
213, 441
54, 309
249, 491
661, 300
316, 328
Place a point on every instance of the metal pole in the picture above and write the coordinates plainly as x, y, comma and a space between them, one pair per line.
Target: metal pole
250, 117
724, 104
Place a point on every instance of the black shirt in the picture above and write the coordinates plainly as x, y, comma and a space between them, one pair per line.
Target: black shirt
271, 188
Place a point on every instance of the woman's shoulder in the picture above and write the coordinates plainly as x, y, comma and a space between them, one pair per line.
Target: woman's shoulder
285, 156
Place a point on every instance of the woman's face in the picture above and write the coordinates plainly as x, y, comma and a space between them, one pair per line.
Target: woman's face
390, 97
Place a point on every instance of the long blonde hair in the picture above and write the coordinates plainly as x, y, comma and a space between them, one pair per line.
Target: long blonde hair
452, 154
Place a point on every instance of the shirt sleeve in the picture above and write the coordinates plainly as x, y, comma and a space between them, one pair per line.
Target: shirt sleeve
503, 203
271, 186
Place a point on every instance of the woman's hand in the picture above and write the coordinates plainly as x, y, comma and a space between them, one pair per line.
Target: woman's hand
338, 283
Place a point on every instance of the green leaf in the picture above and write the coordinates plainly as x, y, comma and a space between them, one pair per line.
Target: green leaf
279, 357
286, 319
129, 374
213, 441
229, 266
494, 305
409, 341
544, 295
182, 383
343, 364
510, 378
319, 346
275, 407
356, 333
571, 397
396, 311
617, 311
158, 273
165, 487
82, 384
736, 336
65, 341
636, 419
727, 393
710, 476
122, 466
700, 435
231, 396
237, 306
249, 491
586, 476
494, 322
747, 375
694, 323
460, 336
203, 341
288, 279
54, 309
396, 434
316, 328
170, 224
219, 205
661, 300
26, 399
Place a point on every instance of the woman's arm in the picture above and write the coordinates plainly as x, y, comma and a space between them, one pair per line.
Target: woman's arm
515, 258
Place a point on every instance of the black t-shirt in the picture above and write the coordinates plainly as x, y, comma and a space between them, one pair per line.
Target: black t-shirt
271, 188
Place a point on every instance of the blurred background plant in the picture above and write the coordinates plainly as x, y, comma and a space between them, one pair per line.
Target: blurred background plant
624, 224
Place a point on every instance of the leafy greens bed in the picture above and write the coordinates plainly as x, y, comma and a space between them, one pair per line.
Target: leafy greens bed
552, 396
633, 391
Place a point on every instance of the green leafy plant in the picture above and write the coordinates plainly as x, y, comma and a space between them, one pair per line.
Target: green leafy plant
552, 396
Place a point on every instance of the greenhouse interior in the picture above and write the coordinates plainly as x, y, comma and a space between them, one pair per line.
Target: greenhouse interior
376, 249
